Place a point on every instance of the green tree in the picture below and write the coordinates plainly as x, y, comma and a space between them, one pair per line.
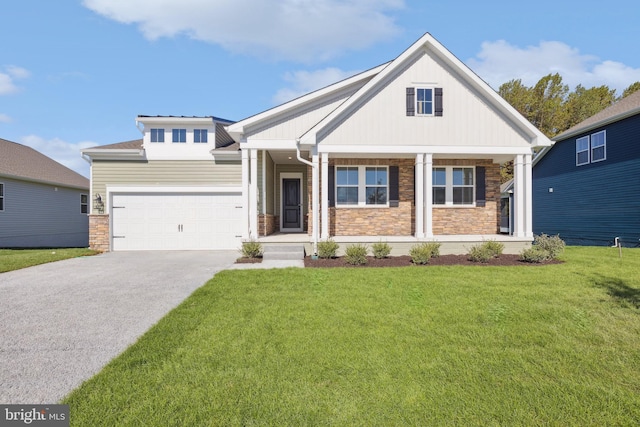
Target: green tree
547, 108
632, 88
583, 103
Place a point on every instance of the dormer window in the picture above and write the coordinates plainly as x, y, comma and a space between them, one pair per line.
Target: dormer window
200, 136
179, 135
157, 135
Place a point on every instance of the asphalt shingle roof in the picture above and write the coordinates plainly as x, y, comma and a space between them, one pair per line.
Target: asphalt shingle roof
20, 161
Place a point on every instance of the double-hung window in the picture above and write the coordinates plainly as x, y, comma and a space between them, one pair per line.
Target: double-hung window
1, 197
179, 135
200, 136
84, 203
591, 148
362, 185
424, 102
157, 135
453, 186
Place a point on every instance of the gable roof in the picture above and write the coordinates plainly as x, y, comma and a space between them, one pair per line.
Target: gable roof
22, 162
626, 107
388, 72
135, 144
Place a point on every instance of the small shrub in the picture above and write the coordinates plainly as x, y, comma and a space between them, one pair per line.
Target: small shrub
423, 252
481, 253
381, 250
327, 249
534, 254
251, 249
495, 247
356, 254
554, 245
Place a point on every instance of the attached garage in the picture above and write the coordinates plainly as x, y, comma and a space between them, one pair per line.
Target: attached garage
167, 220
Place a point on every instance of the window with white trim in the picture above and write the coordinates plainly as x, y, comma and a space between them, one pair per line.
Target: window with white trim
598, 147
84, 203
591, 148
424, 101
362, 186
179, 135
582, 150
200, 136
1, 197
453, 186
157, 135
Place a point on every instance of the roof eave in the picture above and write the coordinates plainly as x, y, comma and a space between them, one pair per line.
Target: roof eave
43, 181
118, 154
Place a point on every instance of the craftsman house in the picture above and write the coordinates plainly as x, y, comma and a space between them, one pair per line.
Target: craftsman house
406, 152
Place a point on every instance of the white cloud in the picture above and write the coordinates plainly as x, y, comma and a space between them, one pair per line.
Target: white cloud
498, 62
303, 82
9, 76
66, 153
300, 30
5, 118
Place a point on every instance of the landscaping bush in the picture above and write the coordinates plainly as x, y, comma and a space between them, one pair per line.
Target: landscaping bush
554, 245
534, 254
485, 251
356, 254
381, 250
251, 249
481, 253
423, 252
327, 249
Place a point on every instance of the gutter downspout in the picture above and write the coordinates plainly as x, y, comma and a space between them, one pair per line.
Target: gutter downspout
315, 195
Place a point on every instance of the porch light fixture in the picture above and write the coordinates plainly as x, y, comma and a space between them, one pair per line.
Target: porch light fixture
98, 205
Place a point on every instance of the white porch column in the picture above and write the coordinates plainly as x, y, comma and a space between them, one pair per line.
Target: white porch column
325, 195
419, 171
428, 195
315, 196
245, 193
253, 195
519, 196
528, 196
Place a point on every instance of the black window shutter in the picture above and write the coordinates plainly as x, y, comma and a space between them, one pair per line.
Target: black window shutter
332, 188
394, 186
411, 101
438, 102
481, 198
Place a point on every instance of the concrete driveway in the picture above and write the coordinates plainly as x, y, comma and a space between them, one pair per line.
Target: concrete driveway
60, 323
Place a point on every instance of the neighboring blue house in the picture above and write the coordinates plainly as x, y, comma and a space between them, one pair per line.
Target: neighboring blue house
42, 203
586, 187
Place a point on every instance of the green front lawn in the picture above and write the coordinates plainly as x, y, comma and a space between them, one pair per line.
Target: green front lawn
530, 345
14, 259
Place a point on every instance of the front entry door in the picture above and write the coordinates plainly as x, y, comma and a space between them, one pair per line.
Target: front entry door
291, 204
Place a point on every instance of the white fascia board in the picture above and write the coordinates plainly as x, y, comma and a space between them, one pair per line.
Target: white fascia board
269, 144
42, 181
227, 155
176, 120
421, 149
106, 154
237, 129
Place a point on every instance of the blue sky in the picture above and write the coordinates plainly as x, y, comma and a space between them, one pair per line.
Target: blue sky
75, 74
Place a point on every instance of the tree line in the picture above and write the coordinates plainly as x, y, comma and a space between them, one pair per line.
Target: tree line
551, 107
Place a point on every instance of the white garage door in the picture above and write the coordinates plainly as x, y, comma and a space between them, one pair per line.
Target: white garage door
168, 221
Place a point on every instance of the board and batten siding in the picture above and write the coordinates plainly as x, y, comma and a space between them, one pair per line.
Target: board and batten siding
468, 119
594, 203
41, 215
167, 173
291, 126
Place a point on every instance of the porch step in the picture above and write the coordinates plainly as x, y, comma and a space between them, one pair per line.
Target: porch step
282, 252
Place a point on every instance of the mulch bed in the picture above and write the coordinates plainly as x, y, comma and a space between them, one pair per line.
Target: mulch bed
405, 261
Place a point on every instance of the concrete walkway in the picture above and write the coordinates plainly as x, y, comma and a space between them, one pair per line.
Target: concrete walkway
60, 323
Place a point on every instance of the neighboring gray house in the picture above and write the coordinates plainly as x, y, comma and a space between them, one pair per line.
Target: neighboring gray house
42, 203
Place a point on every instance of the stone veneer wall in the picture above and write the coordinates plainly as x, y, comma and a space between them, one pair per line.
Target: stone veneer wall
267, 224
99, 232
400, 221
478, 220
